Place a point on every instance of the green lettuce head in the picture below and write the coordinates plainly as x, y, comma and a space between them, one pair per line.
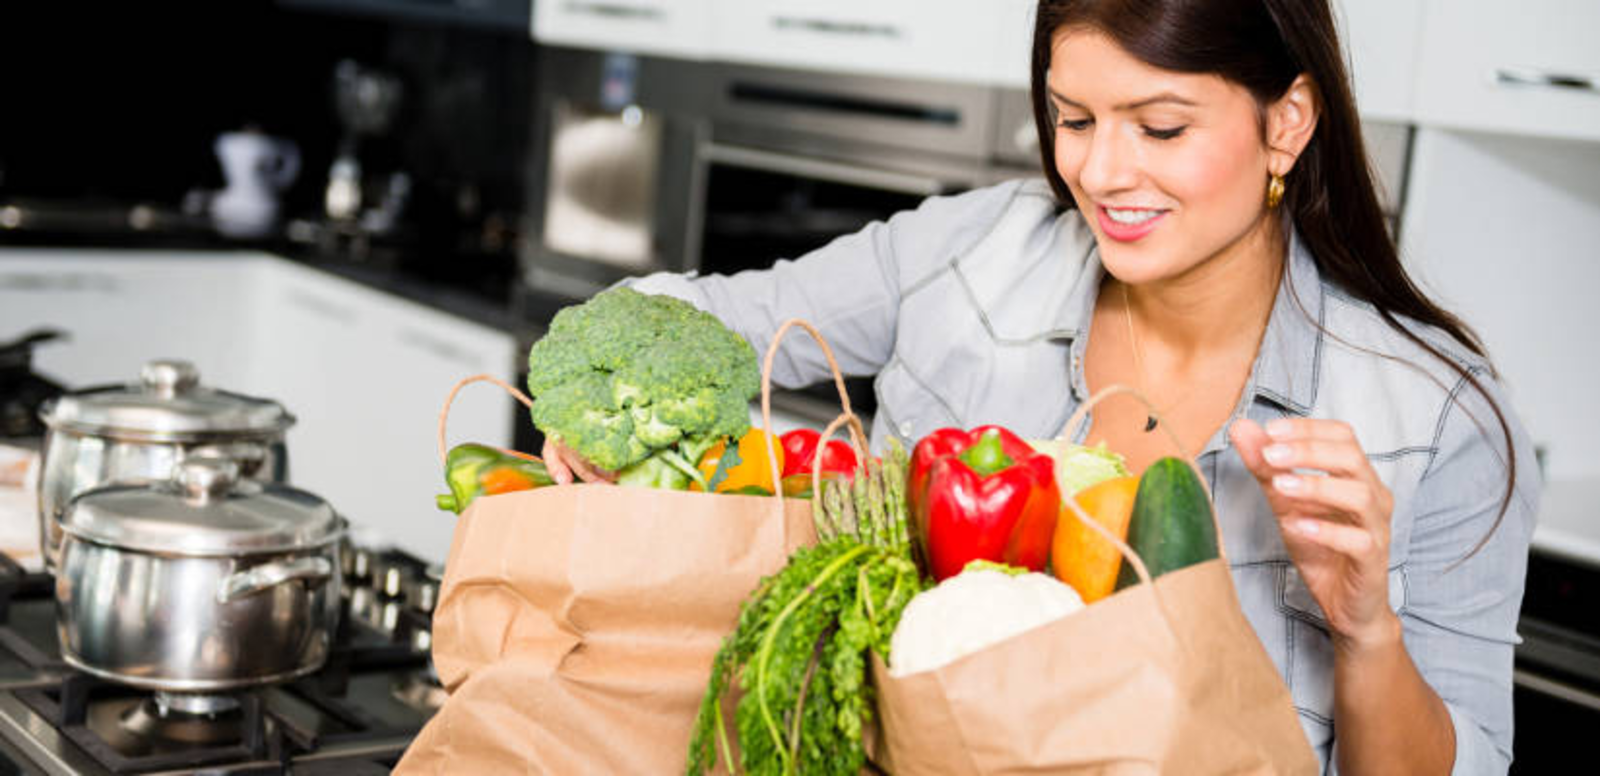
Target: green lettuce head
1079, 466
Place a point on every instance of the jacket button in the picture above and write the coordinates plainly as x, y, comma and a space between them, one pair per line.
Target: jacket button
905, 430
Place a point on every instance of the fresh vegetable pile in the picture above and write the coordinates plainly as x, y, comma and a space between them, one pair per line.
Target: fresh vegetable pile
979, 511
800, 649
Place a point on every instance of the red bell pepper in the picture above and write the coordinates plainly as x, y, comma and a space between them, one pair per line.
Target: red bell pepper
800, 452
982, 494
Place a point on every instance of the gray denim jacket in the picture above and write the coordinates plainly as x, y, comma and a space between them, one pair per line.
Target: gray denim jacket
975, 309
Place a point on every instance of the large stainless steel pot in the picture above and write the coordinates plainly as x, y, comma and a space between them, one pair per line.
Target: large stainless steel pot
140, 432
198, 584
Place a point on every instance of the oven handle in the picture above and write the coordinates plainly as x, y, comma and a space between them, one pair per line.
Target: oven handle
1551, 687
835, 172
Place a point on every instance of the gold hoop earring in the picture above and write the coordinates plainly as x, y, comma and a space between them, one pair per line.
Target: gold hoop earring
1274, 191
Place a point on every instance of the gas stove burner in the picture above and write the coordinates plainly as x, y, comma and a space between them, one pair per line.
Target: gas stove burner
183, 719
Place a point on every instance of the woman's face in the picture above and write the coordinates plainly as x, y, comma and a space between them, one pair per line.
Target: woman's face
1170, 169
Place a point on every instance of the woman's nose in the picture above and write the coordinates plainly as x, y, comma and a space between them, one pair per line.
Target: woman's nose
1109, 165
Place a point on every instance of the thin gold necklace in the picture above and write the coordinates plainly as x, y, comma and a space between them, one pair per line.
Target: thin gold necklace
1138, 365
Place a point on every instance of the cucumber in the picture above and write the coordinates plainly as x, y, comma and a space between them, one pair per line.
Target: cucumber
1171, 526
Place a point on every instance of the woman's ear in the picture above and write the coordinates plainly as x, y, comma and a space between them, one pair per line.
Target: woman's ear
1291, 121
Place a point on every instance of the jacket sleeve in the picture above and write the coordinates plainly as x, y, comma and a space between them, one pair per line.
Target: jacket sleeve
1460, 615
849, 289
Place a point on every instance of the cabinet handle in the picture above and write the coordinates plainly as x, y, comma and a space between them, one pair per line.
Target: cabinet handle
617, 11
837, 27
323, 307
1525, 76
71, 282
1562, 690
438, 348
835, 172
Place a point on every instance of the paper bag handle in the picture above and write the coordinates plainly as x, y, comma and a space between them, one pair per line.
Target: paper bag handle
847, 415
1070, 430
444, 413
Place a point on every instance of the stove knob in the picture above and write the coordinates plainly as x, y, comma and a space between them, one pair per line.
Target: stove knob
425, 596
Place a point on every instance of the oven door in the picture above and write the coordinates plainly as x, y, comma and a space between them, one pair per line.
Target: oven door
1557, 676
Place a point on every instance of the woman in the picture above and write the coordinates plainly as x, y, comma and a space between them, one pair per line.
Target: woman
1210, 234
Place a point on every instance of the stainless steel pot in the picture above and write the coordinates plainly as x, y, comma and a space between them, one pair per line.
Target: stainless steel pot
141, 432
201, 583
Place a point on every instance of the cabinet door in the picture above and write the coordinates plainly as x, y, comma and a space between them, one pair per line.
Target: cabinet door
932, 39
1529, 68
366, 374
677, 28
1380, 40
1011, 53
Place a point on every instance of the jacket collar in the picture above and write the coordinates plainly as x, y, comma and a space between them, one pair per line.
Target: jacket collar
1288, 366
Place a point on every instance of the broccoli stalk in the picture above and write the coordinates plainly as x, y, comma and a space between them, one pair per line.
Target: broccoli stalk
642, 385
669, 468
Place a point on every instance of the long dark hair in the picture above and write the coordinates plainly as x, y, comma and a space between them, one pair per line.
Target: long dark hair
1330, 195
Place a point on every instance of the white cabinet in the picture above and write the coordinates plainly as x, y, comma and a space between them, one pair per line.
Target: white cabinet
931, 39
1380, 40
366, 374
1505, 231
1011, 53
1530, 68
677, 28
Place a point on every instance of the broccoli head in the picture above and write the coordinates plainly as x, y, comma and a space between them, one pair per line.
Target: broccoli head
626, 377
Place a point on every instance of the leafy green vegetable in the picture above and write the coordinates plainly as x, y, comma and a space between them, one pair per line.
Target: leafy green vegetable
1079, 466
641, 384
800, 649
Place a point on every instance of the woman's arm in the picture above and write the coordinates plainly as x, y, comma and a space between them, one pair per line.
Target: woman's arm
850, 289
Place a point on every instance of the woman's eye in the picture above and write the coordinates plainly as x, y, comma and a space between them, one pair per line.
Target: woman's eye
1158, 133
1076, 125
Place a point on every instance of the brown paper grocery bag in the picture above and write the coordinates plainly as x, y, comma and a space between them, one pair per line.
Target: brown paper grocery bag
1163, 677
576, 624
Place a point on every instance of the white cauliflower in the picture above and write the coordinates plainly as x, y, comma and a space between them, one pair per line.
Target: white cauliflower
973, 610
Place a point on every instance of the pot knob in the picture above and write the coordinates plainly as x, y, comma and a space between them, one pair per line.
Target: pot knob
204, 478
168, 378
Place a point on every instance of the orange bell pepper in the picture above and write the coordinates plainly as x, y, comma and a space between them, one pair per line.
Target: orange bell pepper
752, 472
1079, 555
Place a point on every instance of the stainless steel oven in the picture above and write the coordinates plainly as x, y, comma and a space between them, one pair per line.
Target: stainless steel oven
645, 164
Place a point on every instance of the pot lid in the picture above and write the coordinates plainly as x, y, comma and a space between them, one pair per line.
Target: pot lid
167, 402
205, 509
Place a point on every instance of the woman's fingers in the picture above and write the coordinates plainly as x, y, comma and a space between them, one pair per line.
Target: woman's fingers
564, 465
1249, 439
1351, 541
1333, 495
555, 463
1337, 458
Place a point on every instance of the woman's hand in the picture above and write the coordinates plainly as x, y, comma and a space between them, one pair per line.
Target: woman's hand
1335, 522
562, 463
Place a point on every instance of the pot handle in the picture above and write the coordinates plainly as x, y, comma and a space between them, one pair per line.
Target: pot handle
268, 575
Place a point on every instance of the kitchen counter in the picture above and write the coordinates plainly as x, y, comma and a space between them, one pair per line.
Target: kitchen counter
1569, 520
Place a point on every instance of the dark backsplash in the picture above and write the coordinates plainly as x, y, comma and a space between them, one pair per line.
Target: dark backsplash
121, 103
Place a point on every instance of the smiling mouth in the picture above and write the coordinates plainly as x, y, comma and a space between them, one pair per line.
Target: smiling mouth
1131, 216
1127, 224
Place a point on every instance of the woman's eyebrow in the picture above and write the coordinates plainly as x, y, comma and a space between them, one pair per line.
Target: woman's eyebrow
1168, 97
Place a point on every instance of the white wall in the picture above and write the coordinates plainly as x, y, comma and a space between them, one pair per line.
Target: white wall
1505, 231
